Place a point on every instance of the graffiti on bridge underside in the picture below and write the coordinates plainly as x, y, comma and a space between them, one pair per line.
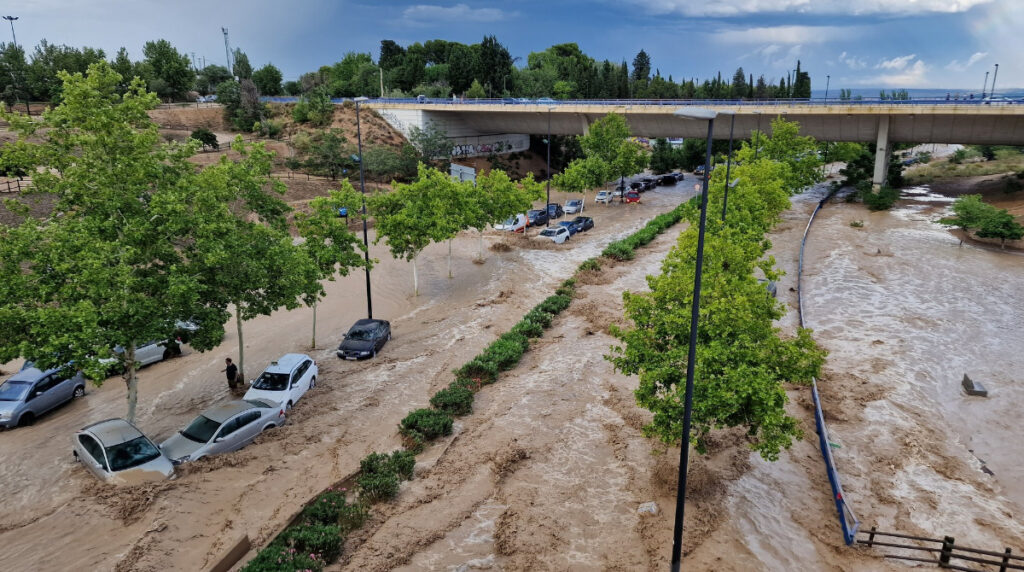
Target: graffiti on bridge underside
481, 148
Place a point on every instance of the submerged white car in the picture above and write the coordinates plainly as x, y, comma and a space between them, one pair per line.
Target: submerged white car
517, 223
284, 381
118, 453
222, 429
556, 234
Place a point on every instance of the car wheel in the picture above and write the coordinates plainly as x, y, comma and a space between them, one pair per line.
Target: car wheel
389, 336
79, 392
312, 382
26, 420
168, 354
288, 406
374, 354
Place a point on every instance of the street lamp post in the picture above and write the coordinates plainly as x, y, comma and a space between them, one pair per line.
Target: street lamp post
11, 19
728, 162
547, 210
994, 76
984, 86
684, 449
362, 189
828, 79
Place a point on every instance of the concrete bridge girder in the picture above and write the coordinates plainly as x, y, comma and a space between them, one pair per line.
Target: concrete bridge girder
967, 124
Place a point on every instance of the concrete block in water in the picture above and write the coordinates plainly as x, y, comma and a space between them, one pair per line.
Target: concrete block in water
974, 387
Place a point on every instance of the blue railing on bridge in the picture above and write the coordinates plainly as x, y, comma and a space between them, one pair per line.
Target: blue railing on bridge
673, 102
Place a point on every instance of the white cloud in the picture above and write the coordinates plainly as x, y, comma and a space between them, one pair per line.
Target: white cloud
898, 63
727, 8
452, 15
955, 65
853, 62
784, 35
773, 55
904, 76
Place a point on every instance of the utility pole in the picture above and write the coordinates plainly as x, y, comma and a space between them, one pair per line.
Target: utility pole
227, 51
984, 87
994, 76
11, 19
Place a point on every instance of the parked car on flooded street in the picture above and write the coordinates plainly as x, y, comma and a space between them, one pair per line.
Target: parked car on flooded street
116, 452
285, 380
222, 429
364, 339
30, 393
557, 234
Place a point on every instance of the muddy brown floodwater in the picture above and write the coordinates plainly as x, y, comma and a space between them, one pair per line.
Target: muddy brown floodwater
548, 471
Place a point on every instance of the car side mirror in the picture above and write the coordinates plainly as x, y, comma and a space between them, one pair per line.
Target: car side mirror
252, 381
218, 440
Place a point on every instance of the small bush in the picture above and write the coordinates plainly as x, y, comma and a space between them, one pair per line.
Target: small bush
430, 423
506, 351
321, 540
455, 400
857, 223
478, 370
539, 317
206, 137
554, 304
325, 508
374, 463
413, 441
402, 463
300, 113
590, 264
268, 128
618, 250
883, 200
377, 487
351, 518
528, 329
280, 558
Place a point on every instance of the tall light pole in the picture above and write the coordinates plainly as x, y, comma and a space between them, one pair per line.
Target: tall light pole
11, 19
691, 357
828, 79
728, 161
757, 147
362, 189
546, 208
984, 86
994, 76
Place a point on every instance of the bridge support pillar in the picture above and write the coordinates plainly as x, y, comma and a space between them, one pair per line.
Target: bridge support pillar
881, 153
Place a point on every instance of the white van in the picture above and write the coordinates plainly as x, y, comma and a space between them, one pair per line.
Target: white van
517, 223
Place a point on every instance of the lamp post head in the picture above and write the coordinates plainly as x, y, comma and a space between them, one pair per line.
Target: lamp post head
360, 98
10, 18
696, 113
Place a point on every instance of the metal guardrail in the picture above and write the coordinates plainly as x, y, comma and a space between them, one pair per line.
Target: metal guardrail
675, 102
847, 519
944, 552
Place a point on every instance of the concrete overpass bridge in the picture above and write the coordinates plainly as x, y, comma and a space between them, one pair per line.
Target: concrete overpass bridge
479, 127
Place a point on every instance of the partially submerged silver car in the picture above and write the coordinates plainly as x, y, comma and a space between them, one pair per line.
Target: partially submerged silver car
30, 393
118, 453
223, 428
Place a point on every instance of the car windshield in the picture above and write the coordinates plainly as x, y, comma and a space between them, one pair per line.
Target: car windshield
549, 232
131, 454
201, 429
579, 220
573, 203
14, 390
511, 221
360, 335
272, 381
534, 213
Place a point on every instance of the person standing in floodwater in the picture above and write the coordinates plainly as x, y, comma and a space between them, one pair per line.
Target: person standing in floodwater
231, 372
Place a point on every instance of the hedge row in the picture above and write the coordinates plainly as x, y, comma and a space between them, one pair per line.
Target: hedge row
317, 537
625, 249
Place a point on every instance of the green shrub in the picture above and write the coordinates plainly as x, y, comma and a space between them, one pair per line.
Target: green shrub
325, 508
280, 558
539, 317
618, 250
374, 463
206, 137
456, 400
883, 200
300, 113
351, 518
322, 540
430, 423
478, 370
590, 264
402, 463
528, 328
506, 351
376, 487
857, 223
554, 304
399, 462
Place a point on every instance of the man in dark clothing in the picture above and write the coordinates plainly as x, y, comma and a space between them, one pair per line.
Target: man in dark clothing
231, 371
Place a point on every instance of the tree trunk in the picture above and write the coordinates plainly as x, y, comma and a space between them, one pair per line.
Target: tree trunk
481, 243
449, 258
313, 343
131, 381
415, 281
241, 343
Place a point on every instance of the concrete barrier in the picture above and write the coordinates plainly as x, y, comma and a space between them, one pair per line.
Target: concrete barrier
235, 553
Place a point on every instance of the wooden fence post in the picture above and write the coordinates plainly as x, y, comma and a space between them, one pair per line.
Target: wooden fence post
947, 551
871, 536
1006, 561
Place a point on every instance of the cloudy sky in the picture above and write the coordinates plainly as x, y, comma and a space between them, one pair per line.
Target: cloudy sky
945, 44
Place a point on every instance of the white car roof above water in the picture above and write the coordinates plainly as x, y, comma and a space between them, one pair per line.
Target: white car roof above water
286, 363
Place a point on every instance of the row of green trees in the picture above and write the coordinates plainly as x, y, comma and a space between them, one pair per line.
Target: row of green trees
166, 71
742, 358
